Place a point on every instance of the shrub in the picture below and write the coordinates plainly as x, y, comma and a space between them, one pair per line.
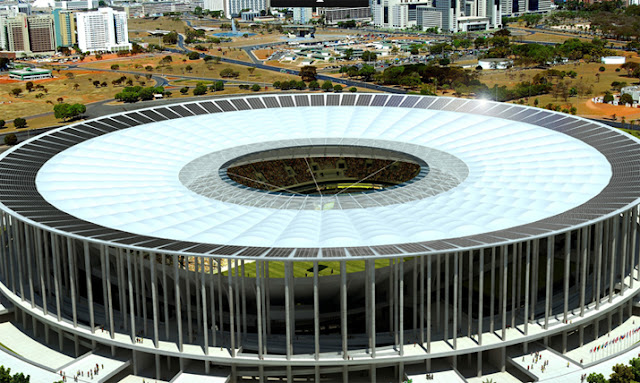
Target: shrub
193, 55
353, 89
2, 124
19, 123
337, 88
115, 67
199, 90
601, 69
255, 87
184, 90
10, 139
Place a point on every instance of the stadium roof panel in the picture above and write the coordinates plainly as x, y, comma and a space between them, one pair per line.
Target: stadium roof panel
491, 179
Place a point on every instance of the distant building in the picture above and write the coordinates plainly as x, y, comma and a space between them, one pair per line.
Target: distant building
495, 63
428, 17
77, 5
302, 15
102, 30
28, 35
249, 15
613, 60
634, 91
28, 74
65, 27
16, 8
214, 5
233, 8
334, 15
512, 8
160, 8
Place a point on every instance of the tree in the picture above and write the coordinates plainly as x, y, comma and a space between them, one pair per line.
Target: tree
596, 378
170, 38
217, 86
621, 374
314, 85
16, 92
10, 139
76, 86
367, 72
255, 87
608, 98
353, 89
348, 54
2, 124
115, 66
96, 83
148, 68
193, 55
228, 72
60, 100
601, 69
188, 68
369, 56
184, 90
626, 98
19, 123
29, 86
337, 88
199, 90
327, 85
308, 73
66, 111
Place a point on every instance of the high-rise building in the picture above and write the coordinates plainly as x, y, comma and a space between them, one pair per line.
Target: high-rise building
302, 15
102, 30
333, 15
214, 5
65, 27
27, 35
233, 8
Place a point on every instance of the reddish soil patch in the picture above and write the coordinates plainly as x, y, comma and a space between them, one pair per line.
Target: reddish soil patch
263, 54
607, 110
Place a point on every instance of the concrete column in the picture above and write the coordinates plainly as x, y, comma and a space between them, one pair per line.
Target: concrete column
400, 304
72, 282
203, 292
232, 324
343, 309
87, 268
456, 275
130, 283
527, 277
480, 295
178, 304
154, 299
28, 248
599, 233
421, 308
446, 297
287, 307
613, 254
493, 291
429, 293
43, 285
549, 283
316, 312
625, 239
259, 308
372, 307
505, 270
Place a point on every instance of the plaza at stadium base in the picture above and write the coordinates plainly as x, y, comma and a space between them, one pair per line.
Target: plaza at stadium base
173, 302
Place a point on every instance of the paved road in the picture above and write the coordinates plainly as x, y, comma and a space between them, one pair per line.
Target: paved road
345, 82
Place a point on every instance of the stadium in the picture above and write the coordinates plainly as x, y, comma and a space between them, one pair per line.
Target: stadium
322, 237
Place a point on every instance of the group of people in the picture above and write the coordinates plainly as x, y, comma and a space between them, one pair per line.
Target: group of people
283, 173
94, 371
536, 357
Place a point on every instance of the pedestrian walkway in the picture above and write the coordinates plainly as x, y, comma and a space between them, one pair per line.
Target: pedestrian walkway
191, 378
442, 376
497, 377
16, 365
604, 368
22, 344
620, 339
140, 379
545, 363
93, 367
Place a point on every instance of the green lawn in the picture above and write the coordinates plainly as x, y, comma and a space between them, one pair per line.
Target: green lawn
305, 269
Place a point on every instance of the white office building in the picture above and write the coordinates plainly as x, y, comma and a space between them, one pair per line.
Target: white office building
102, 30
214, 5
233, 8
302, 15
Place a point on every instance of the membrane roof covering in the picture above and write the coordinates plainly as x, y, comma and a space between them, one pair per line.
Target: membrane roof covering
492, 177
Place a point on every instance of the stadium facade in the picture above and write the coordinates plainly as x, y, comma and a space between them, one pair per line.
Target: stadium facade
126, 232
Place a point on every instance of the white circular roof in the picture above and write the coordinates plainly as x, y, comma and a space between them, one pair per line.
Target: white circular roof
518, 173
